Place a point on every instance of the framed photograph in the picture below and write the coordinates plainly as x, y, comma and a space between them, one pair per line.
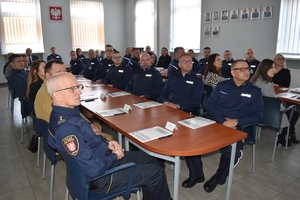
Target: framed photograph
216, 31
224, 15
207, 31
207, 17
55, 13
234, 15
216, 16
255, 13
267, 12
245, 14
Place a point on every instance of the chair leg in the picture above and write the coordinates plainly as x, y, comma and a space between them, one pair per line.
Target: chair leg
38, 152
274, 148
253, 158
67, 193
44, 166
258, 133
12, 105
8, 98
138, 195
51, 182
287, 137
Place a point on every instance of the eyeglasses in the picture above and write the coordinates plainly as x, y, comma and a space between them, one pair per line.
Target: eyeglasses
242, 69
109, 50
72, 88
186, 61
279, 58
116, 57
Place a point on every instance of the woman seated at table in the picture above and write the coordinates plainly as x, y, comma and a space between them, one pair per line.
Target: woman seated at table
165, 59
35, 78
282, 76
262, 79
212, 72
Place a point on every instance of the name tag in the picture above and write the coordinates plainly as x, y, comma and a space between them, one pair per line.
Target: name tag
190, 82
57, 56
148, 75
206, 63
121, 71
92, 63
246, 95
229, 63
75, 63
252, 66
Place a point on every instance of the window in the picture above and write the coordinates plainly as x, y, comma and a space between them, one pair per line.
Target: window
20, 26
145, 23
288, 41
185, 24
87, 25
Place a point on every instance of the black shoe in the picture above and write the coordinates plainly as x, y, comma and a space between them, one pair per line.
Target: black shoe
211, 184
294, 140
282, 142
188, 183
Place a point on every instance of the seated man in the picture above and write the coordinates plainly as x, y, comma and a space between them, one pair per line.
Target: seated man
17, 76
119, 74
91, 66
183, 90
104, 65
173, 67
134, 60
73, 135
235, 103
53, 55
147, 81
42, 103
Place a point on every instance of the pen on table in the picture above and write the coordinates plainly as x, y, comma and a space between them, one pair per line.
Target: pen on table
164, 136
119, 113
89, 100
294, 96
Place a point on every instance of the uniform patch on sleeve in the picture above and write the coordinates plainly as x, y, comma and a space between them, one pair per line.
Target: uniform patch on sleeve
71, 144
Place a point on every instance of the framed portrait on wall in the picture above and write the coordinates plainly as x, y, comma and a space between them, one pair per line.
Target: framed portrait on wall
207, 31
224, 15
216, 31
216, 16
267, 12
245, 14
234, 15
255, 13
207, 17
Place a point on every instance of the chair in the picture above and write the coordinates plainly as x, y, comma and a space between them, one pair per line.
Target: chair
10, 101
206, 94
27, 107
272, 116
78, 184
38, 131
251, 140
49, 152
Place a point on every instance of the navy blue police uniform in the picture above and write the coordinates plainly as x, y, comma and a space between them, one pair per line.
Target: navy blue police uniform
119, 76
253, 66
173, 68
76, 66
134, 65
90, 68
54, 56
101, 71
226, 68
202, 66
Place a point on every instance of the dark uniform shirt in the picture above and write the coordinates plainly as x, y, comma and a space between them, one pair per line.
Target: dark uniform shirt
244, 103
195, 65
186, 91
76, 66
126, 59
17, 81
147, 83
134, 64
101, 71
118, 77
55, 56
81, 57
202, 66
226, 68
253, 66
173, 68
90, 68
74, 135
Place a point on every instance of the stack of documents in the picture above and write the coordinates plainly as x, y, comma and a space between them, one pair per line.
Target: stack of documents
196, 122
149, 134
94, 85
88, 97
147, 104
117, 94
111, 112
296, 90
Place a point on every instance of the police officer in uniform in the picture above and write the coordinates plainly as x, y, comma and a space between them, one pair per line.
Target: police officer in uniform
91, 66
134, 60
226, 64
173, 67
119, 74
183, 90
53, 55
104, 65
203, 62
76, 64
73, 135
147, 81
251, 61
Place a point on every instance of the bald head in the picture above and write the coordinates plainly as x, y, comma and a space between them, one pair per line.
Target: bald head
145, 60
249, 55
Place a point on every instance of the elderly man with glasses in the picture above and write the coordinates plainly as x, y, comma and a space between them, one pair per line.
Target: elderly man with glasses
235, 103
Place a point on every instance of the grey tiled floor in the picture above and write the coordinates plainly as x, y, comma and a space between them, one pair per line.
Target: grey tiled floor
278, 180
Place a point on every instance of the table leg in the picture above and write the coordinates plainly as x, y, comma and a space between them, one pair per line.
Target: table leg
177, 164
230, 177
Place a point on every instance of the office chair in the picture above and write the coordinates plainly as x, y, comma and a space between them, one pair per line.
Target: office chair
49, 152
38, 131
27, 107
206, 94
10, 101
272, 116
251, 140
78, 184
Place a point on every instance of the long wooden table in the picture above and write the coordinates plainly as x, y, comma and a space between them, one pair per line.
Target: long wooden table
284, 94
184, 142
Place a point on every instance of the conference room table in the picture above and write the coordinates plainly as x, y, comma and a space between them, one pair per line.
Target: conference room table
184, 141
290, 95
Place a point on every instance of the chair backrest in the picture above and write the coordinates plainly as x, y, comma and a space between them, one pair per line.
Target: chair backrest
27, 107
49, 151
271, 114
206, 94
